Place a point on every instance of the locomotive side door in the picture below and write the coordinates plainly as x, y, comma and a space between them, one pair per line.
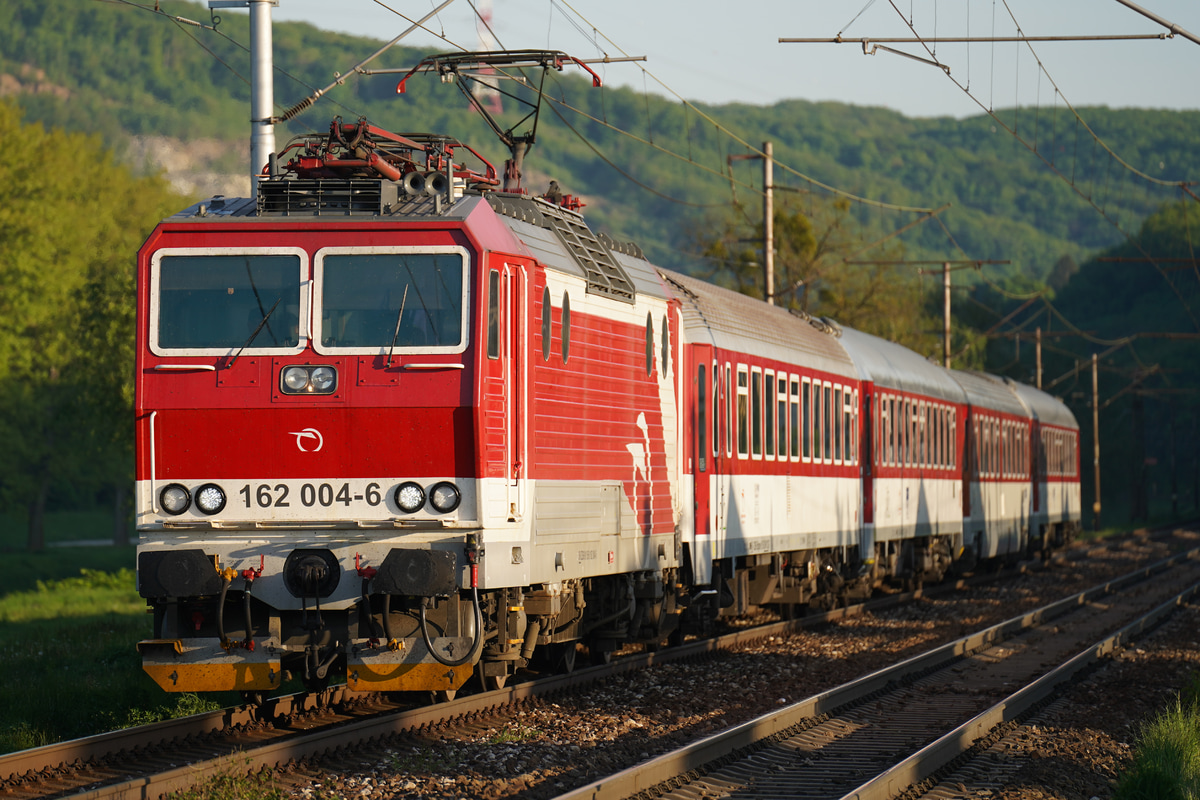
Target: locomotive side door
502, 401
516, 335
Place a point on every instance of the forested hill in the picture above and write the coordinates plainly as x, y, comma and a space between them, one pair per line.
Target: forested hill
116, 70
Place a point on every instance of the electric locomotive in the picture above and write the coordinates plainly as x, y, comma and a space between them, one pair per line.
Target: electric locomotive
359, 397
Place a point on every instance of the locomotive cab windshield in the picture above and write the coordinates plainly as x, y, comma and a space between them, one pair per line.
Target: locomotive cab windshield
374, 299
212, 303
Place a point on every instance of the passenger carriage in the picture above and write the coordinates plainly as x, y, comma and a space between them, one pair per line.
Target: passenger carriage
912, 477
1054, 468
998, 499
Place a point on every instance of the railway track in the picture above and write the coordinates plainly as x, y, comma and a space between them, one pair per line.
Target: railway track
885, 733
176, 754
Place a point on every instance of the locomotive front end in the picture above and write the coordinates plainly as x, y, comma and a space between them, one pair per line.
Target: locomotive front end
306, 474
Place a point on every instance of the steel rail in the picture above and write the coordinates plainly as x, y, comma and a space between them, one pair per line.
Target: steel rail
105, 745
60, 756
645, 777
928, 761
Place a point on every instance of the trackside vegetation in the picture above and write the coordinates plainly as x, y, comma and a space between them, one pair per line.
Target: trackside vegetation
1166, 758
67, 647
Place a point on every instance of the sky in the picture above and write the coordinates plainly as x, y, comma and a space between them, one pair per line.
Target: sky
730, 52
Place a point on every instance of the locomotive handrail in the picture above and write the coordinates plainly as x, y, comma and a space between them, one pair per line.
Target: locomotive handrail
433, 366
153, 487
205, 367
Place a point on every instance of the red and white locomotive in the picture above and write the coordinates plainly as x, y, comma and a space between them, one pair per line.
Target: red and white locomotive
397, 426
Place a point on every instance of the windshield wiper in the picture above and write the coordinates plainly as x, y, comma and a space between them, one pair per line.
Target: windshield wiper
258, 299
261, 323
396, 334
437, 340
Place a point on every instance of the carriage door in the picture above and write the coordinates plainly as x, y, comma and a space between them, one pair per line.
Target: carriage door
701, 410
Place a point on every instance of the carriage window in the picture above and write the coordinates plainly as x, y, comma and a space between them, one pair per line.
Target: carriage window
217, 302
837, 424
848, 420
546, 309
370, 299
881, 430
816, 420
953, 443
931, 437
910, 433
649, 344
986, 431
794, 406
493, 323
906, 433
743, 412
827, 422
980, 445
769, 409
701, 420
895, 425
1002, 449
781, 416
923, 424
806, 427
566, 327
756, 412
728, 400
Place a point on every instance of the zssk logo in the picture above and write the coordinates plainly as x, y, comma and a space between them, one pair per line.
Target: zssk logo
306, 438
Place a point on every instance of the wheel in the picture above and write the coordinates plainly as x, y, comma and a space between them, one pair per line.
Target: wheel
444, 695
489, 683
562, 657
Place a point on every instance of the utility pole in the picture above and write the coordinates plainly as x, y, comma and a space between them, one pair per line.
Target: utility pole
262, 84
768, 218
1174, 472
946, 314
1096, 443
1138, 506
1038, 351
1195, 466
768, 224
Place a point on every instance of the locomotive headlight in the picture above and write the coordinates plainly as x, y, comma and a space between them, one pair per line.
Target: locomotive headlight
445, 497
210, 498
308, 380
174, 499
410, 497
323, 379
295, 379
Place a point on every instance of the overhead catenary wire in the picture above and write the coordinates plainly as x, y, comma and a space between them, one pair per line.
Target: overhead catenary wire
740, 140
1070, 182
182, 21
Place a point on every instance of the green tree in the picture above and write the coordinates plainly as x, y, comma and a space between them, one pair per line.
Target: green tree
811, 273
69, 231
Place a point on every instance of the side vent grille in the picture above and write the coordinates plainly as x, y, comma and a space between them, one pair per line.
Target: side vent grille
604, 274
317, 197
593, 253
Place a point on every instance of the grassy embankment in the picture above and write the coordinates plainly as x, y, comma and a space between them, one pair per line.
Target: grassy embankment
69, 619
